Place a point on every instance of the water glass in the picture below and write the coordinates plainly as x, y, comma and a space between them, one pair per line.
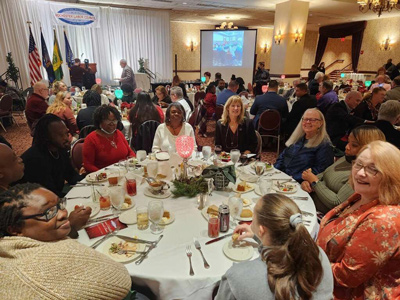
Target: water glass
117, 196
259, 168
235, 207
141, 155
235, 156
206, 152
152, 169
265, 185
142, 218
155, 212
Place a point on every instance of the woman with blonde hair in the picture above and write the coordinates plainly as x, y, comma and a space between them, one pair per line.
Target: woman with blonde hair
161, 97
58, 86
290, 266
331, 187
309, 147
361, 236
62, 108
104, 99
234, 131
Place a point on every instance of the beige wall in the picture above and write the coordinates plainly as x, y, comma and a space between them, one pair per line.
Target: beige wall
264, 35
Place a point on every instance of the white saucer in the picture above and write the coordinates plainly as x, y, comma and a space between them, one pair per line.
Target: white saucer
128, 217
238, 250
166, 194
165, 221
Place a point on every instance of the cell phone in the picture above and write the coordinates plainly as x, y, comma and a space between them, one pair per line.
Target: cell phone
203, 79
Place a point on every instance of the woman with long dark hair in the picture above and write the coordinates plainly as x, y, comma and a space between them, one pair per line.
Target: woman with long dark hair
290, 266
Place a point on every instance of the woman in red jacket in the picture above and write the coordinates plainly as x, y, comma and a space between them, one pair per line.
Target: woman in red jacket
210, 100
106, 145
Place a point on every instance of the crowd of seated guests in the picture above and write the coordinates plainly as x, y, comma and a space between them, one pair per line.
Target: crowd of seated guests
161, 97
97, 88
328, 98
176, 81
369, 107
92, 100
58, 86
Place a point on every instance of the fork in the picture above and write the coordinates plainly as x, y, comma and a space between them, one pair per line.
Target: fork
189, 254
198, 247
81, 197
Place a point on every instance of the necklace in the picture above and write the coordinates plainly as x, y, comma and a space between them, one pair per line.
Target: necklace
112, 142
55, 156
174, 129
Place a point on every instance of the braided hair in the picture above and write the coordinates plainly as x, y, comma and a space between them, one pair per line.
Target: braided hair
41, 136
11, 203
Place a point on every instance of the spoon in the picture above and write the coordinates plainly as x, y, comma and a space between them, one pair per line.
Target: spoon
150, 180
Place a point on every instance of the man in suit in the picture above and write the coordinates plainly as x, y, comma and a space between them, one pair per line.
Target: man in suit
389, 115
329, 97
229, 92
304, 102
127, 76
394, 93
340, 119
270, 100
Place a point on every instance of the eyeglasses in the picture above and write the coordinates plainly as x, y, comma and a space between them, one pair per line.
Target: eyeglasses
108, 122
311, 120
367, 169
50, 213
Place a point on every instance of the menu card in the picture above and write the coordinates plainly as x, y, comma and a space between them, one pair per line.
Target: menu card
103, 228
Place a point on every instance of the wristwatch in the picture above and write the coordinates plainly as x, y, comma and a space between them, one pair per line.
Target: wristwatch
313, 183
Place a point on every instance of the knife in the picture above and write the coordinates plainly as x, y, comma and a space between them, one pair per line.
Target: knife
219, 238
152, 246
130, 239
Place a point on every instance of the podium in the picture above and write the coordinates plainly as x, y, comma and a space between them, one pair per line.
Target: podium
92, 66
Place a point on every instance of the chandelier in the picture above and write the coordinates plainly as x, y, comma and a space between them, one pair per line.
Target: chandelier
378, 6
226, 26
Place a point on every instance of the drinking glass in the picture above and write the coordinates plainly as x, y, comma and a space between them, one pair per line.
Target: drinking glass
117, 197
122, 165
259, 167
155, 212
235, 207
142, 218
265, 185
213, 227
235, 155
130, 184
141, 155
206, 152
152, 169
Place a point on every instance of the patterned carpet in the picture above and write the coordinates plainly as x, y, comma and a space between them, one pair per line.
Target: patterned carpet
21, 140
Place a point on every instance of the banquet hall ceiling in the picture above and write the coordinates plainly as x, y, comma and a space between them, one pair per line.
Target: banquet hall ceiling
245, 12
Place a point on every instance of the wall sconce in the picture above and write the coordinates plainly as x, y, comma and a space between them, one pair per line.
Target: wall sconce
298, 36
278, 38
191, 46
264, 48
386, 44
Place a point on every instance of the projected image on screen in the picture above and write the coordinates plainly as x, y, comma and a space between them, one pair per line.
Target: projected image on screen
227, 48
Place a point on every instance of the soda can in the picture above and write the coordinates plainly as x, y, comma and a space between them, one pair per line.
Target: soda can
223, 213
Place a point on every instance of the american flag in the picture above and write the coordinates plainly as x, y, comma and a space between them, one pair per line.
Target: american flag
34, 60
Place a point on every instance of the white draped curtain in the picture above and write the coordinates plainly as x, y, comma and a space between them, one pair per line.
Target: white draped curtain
123, 33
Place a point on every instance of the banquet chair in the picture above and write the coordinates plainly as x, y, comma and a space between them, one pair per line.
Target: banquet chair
76, 154
86, 130
197, 97
259, 145
244, 93
145, 135
6, 110
219, 109
269, 125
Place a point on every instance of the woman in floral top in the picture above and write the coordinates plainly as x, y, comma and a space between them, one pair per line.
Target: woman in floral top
361, 236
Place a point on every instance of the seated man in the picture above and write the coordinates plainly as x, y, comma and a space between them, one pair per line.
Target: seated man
394, 93
389, 115
36, 105
304, 102
329, 97
11, 167
176, 95
290, 95
340, 119
270, 100
313, 85
47, 162
229, 92
220, 87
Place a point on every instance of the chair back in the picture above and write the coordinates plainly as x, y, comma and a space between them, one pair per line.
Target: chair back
76, 154
269, 122
193, 117
145, 135
259, 144
6, 103
86, 130
219, 109
197, 97
244, 93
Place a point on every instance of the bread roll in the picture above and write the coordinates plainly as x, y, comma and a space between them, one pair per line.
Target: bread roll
246, 213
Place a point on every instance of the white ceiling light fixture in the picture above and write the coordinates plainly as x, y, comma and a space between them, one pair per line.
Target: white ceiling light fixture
378, 6
227, 26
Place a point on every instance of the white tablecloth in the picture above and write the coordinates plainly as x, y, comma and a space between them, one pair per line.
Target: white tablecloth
166, 270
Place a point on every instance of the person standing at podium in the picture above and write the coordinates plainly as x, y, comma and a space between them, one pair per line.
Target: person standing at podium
127, 76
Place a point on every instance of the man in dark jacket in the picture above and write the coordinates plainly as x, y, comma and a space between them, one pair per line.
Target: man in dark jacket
389, 115
313, 85
270, 100
304, 102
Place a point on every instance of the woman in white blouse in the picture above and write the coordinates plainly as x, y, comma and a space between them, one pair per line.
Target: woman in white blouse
175, 125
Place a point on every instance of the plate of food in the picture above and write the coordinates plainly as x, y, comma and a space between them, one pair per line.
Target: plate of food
243, 187
95, 208
209, 211
128, 217
128, 203
225, 156
285, 188
122, 251
238, 250
246, 215
268, 167
246, 202
249, 177
168, 218
161, 156
96, 177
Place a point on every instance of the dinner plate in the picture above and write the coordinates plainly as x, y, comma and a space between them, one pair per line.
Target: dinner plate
118, 257
249, 188
238, 250
165, 195
246, 202
246, 219
204, 213
286, 185
128, 217
249, 177
92, 177
126, 206
162, 156
167, 221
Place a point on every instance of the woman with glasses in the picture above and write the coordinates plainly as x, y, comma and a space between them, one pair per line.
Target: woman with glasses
234, 131
308, 147
38, 261
361, 236
331, 187
106, 145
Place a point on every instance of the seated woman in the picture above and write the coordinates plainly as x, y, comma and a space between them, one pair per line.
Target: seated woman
290, 266
175, 125
85, 115
161, 98
61, 107
369, 107
331, 187
106, 145
144, 110
380, 82
361, 236
210, 100
38, 261
234, 131
58, 86
98, 90
176, 81
308, 147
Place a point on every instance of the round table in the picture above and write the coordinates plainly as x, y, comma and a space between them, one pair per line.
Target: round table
166, 269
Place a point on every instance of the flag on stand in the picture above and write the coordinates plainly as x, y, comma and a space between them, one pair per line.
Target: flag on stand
69, 56
57, 60
46, 59
34, 60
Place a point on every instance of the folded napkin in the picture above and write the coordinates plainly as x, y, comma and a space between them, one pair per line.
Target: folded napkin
228, 171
